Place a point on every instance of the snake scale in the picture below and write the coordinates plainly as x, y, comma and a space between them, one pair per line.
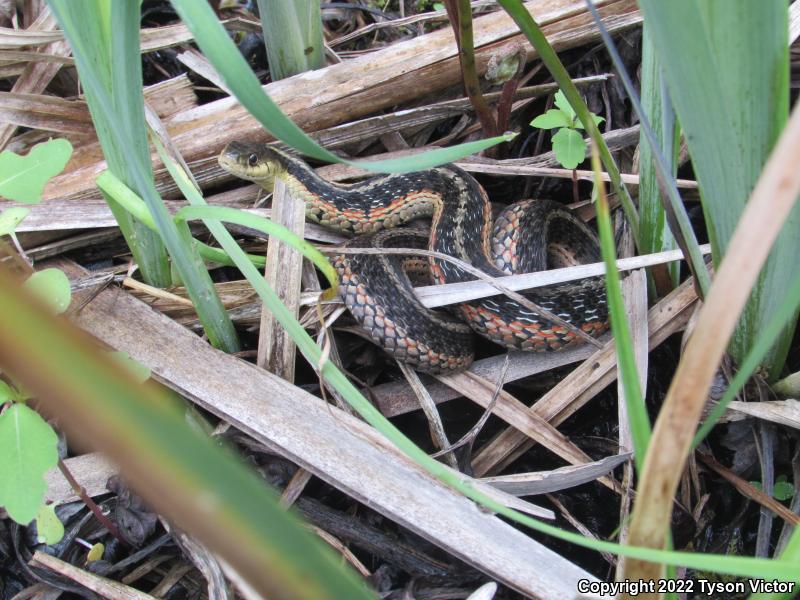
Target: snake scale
527, 236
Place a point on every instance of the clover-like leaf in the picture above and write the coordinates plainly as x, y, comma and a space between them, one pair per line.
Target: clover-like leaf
551, 119
597, 120
562, 103
22, 178
783, 489
49, 529
28, 451
11, 217
569, 147
52, 286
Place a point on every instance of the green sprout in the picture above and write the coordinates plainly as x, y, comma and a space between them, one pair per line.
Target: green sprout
568, 144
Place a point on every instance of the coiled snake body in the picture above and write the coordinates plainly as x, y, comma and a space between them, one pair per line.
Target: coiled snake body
527, 236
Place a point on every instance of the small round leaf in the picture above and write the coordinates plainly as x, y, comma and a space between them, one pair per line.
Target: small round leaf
569, 147
551, 119
28, 451
48, 527
52, 286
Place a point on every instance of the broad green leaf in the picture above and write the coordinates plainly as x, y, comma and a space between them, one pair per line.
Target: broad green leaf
28, 451
49, 528
569, 147
726, 63
597, 120
137, 369
551, 119
52, 286
562, 103
22, 178
10, 218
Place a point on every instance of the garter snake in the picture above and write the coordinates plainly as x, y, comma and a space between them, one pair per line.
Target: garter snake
527, 236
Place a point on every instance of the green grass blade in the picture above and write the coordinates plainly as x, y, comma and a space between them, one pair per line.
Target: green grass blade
657, 105
774, 328
674, 208
115, 190
655, 234
726, 64
182, 473
292, 35
531, 30
99, 56
240, 79
790, 553
227, 214
115, 123
637, 412
743, 566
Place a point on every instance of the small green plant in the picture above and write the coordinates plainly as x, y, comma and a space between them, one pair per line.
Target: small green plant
568, 144
782, 490
22, 178
28, 443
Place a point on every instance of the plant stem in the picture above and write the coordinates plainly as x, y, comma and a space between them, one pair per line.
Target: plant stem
461, 17
90, 504
548, 56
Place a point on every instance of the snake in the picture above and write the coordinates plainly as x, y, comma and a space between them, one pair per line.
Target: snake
378, 290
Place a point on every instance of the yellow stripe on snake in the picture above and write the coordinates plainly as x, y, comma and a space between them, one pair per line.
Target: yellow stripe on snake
527, 236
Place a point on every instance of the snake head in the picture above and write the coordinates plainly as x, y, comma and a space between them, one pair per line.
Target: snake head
253, 161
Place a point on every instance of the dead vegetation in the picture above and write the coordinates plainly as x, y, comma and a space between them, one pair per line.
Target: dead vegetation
540, 432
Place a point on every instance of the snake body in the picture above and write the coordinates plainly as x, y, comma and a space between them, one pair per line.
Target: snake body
527, 236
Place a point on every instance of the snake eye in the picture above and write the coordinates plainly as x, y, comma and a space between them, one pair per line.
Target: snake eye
252, 160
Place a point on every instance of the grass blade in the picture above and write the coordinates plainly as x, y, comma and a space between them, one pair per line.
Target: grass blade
772, 200
726, 64
292, 35
637, 412
776, 325
227, 214
122, 132
657, 105
528, 26
112, 61
743, 566
240, 79
171, 464
674, 209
